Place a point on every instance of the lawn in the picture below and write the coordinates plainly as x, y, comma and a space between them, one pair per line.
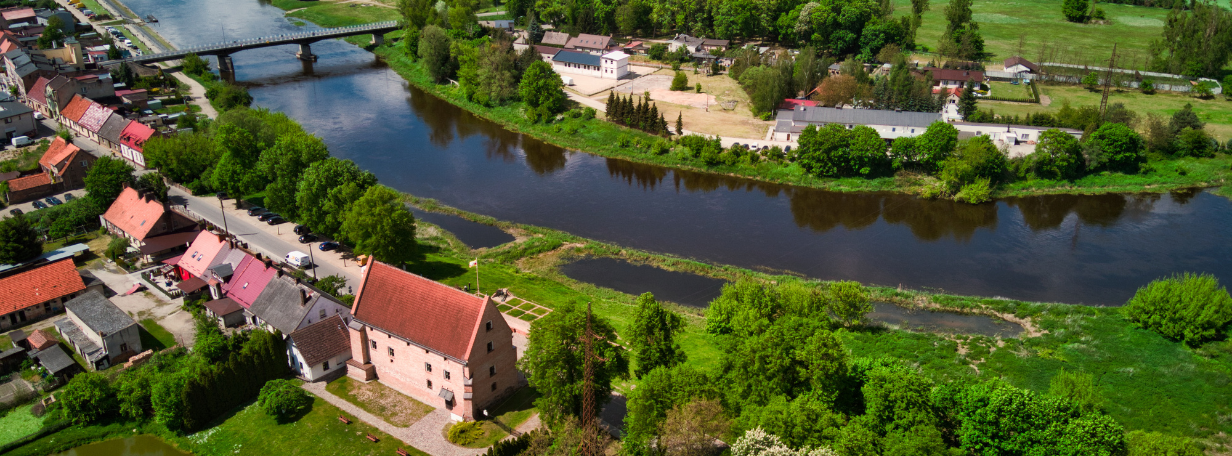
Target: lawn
154, 336
5, 342
130, 35
510, 414
1217, 112
18, 423
331, 14
380, 400
1040, 23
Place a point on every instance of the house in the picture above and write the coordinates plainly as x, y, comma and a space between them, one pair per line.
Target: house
555, 38
834, 69
697, 45
207, 250
95, 86
247, 281
20, 15
36, 97
594, 44
710, 45
18, 120
889, 124
636, 48
36, 290
30, 188
501, 24
148, 224
66, 164
72, 112
66, 17
93, 120
111, 130
546, 52
613, 65
132, 140
139, 98
319, 351
1018, 140
58, 93
288, 305
953, 79
457, 353
1020, 65
228, 312
99, 331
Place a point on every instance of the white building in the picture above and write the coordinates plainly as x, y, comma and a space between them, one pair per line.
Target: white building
889, 124
320, 351
1019, 140
613, 65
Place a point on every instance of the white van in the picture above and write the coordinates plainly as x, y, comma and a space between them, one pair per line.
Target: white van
298, 259
19, 141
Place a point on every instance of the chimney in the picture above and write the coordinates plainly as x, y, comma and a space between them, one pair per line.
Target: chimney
303, 296
221, 238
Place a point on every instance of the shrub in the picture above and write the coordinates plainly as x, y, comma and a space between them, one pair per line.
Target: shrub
1057, 156
975, 192
116, 248
1188, 307
680, 82
1194, 143
697, 87
1147, 86
657, 51
976, 158
88, 398
1142, 443
465, 432
1114, 147
281, 399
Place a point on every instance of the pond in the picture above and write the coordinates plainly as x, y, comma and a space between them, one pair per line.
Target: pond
942, 322
138, 445
474, 235
679, 287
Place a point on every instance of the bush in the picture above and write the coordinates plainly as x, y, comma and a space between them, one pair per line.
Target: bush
657, 51
282, 400
116, 248
1147, 86
1142, 443
1115, 147
697, 87
680, 82
976, 158
465, 432
88, 398
1188, 307
975, 192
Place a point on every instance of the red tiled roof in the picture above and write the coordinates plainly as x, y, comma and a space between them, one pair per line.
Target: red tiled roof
423, 311
791, 103
133, 214
29, 182
41, 340
940, 74
16, 14
41, 284
37, 91
76, 108
202, 253
57, 152
135, 135
322, 340
249, 279
94, 117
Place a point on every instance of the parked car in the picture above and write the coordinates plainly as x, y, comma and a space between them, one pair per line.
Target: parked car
18, 212
39, 205
304, 239
301, 229
39, 115
19, 141
69, 197
266, 216
298, 259
328, 245
53, 201
255, 210
276, 220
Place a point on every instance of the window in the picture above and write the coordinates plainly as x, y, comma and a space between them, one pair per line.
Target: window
326, 366
893, 129
373, 342
489, 347
123, 348
429, 384
489, 326
913, 130
391, 351
322, 314
493, 386
1026, 136
491, 371
446, 375
428, 367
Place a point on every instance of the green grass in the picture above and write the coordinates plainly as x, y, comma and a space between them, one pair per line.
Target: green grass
517, 408
18, 423
1167, 175
154, 336
328, 14
5, 342
96, 7
491, 433
132, 36
380, 400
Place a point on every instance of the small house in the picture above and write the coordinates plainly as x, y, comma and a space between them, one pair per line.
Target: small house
66, 164
57, 362
593, 44
34, 291
99, 331
226, 311
889, 124
1018, 64
319, 351
555, 39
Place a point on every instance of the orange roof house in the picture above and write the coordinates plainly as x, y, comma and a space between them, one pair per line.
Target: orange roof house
29, 292
76, 108
141, 217
433, 342
29, 182
57, 152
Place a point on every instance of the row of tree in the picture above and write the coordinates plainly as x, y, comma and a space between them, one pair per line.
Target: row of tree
642, 115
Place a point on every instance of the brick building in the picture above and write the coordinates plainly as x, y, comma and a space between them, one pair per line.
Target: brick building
67, 164
148, 224
440, 345
37, 290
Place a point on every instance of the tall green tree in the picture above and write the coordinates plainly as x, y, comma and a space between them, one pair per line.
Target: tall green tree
1075, 10
380, 225
554, 361
658, 391
153, 183
434, 51
652, 336
236, 171
541, 90
1196, 41
284, 164
105, 180
184, 158
19, 241
967, 104
1057, 156
87, 398
1114, 147
326, 192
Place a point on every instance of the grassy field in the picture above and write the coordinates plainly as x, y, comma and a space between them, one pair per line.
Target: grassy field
380, 400
18, 423
130, 35
336, 14
1041, 25
1216, 112
154, 336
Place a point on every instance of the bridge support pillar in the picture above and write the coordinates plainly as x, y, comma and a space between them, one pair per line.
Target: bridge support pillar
226, 68
305, 52
378, 39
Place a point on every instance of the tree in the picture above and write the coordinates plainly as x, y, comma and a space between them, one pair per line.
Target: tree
1147, 86
1091, 80
236, 171
692, 428
541, 90
1075, 10
974, 159
284, 164
1058, 155
1197, 41
1142, 443
183, 158
652, 336
935, 145
680, 123
153, 184
554, 361
848, 301
767, 87
326, 192
658, 392
1188, 307
896, 398
87, 398
838, 90
680, 82
967, 104
1185, 118
331, 284
836, 151
380, 225
117, 248
113, 53
957, 14
1194, 143
434, 51
1114, 147
19, 241
496, 69
53, 33
281, 399
194, 65
105, 180
227, 96
791, 357
418, 13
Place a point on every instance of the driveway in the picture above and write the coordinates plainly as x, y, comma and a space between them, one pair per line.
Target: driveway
168, 313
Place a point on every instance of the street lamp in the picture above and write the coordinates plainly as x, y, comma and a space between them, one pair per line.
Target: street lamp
312, 259
221, 196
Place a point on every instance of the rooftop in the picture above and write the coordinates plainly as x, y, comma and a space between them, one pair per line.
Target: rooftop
207, 250
575, 57
29, 182
99, 313
76, 108
284, 303
249, 279
224, 306
57, 152
849, 116
322, 340
39, 284
134, 214
40, 340
589, 41
55, 359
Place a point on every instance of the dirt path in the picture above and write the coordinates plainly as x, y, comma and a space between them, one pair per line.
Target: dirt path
197, 92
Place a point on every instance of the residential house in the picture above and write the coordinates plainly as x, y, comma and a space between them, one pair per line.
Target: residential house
456, 353
72, 112
111, 130
137, 98
953, 80
209, 249
555, 38
66, 17
92, 121
697, 45
132, 141
99, 331
1018, 140
288, 305
502, 24
1018, 64
30, 188
889, 124
18, 120
593, 44
148, 224
37, 96
36, 290
319, 351
40, 340
95, 86
58, 94
613, 65
710, 45
226, 311
636, 48
247, 281
22, 70
67, 164
834, 69
546, 52
19, 15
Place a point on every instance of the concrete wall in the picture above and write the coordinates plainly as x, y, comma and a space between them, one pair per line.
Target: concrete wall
34, 313
573, 68
316, 372
121, 345
20, 125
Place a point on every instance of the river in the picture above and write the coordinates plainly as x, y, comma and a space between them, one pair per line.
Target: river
1075, 249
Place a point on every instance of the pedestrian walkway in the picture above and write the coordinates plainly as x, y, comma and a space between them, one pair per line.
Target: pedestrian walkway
424, 435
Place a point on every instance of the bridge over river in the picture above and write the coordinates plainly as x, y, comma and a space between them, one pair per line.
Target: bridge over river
224, 50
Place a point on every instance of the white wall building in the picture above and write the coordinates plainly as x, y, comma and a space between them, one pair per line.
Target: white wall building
613, 65
889, 124
1018, 140
320, 351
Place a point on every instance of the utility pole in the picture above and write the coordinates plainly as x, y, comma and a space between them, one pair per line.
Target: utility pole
588, 391
1103, 103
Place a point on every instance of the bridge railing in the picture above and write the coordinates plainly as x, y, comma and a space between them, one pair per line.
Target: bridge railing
273, 39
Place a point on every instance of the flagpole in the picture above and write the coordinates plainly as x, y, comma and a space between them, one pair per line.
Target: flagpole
477, 276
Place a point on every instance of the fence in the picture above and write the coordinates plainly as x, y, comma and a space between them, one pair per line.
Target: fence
1073, 74
147, 276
